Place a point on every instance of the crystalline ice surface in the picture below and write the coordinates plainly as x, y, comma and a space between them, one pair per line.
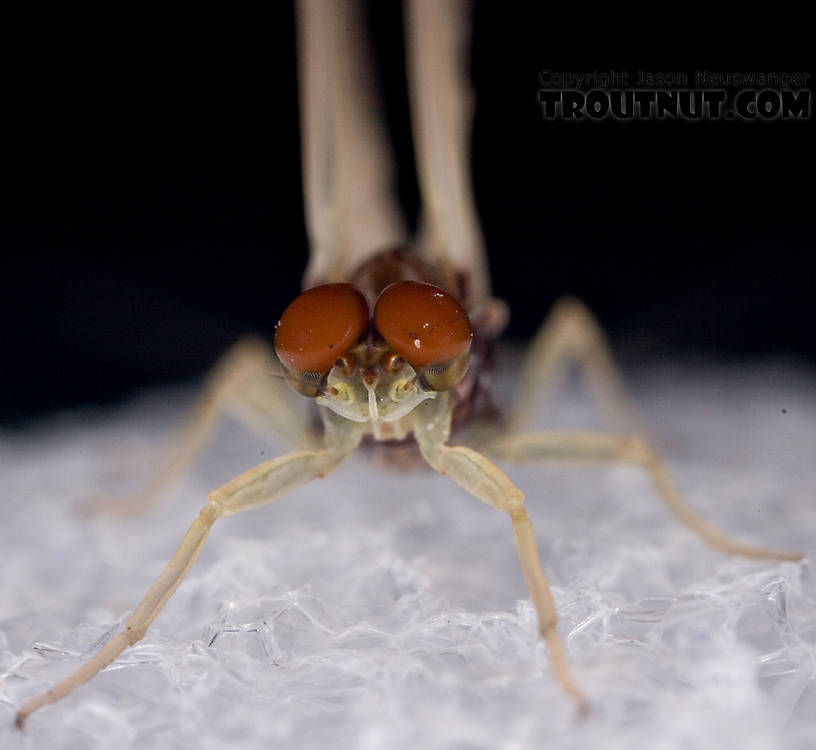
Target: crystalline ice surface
385, 609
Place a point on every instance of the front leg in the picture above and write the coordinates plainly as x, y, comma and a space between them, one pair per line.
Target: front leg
486, 481
266, 482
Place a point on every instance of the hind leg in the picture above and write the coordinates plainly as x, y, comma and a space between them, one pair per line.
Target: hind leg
245, 383
572, 336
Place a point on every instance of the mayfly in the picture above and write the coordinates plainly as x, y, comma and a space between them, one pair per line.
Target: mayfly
391, 338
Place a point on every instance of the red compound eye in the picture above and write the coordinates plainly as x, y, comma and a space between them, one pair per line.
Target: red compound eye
320, 326
423, 324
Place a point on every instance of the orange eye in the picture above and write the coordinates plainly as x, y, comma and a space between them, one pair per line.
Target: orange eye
423, 324
319, 326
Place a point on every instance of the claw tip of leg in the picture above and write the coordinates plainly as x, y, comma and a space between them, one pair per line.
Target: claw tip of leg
583, 709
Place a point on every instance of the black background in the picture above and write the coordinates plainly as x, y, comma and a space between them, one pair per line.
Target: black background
155, 200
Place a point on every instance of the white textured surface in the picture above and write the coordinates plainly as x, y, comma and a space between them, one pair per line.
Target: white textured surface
377, 610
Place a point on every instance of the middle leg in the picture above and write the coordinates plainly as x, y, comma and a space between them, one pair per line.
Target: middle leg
601, 447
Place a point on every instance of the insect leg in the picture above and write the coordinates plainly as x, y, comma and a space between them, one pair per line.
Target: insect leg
244, 383
488, 483
570, 334
600, 447
266, 482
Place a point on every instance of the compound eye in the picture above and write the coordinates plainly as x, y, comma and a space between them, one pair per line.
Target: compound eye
320, 326
424, 324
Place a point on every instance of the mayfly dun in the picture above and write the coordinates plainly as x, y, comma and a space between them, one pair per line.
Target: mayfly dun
391, 336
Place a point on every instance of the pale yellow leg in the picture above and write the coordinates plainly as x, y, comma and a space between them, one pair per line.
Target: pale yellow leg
484, 480
598, 447
257, 395
246, 382
266, 482
571, 335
